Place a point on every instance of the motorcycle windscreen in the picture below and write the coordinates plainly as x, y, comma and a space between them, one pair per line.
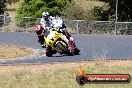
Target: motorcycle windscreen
51, 38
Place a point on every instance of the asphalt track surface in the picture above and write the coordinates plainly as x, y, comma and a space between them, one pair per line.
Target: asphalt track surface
92, 47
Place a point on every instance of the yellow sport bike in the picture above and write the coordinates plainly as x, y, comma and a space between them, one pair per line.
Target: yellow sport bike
54, 39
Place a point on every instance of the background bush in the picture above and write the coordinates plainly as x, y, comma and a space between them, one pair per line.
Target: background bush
34, 8
75, 12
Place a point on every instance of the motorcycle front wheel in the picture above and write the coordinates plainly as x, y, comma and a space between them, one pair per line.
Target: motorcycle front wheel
64, 49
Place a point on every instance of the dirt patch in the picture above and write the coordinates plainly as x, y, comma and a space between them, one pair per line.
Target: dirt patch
13, 51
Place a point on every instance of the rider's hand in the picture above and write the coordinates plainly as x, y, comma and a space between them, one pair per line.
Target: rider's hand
61, 30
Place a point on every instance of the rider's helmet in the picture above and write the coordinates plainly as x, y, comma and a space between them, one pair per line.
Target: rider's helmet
45, 15
38, 29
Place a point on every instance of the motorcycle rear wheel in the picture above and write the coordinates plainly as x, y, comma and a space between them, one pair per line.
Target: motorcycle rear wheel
76, 51
49, 52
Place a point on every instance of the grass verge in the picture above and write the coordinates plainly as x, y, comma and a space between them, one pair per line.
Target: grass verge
13, 51
60, 75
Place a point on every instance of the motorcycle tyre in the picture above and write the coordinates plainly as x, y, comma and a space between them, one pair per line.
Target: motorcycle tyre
50, 52
65, 50
76, 51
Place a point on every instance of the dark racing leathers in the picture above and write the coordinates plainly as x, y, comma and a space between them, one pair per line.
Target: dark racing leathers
41, 38
42, 41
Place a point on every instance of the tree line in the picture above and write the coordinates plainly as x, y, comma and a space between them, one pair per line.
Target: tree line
124, 10
68, 9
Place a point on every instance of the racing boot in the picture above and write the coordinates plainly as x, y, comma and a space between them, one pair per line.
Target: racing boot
43, 45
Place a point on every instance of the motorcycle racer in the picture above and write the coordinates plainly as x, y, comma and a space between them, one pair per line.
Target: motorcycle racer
47, 22
58, 23
39, 31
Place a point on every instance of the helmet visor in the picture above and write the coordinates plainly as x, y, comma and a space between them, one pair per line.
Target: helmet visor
46, 17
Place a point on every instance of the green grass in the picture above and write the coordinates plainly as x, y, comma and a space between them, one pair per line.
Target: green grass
61, 77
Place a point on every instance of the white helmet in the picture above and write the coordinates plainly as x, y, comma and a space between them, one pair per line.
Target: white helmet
45, 14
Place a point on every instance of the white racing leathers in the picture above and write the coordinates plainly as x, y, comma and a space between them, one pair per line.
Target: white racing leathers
54, 22
58, 23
